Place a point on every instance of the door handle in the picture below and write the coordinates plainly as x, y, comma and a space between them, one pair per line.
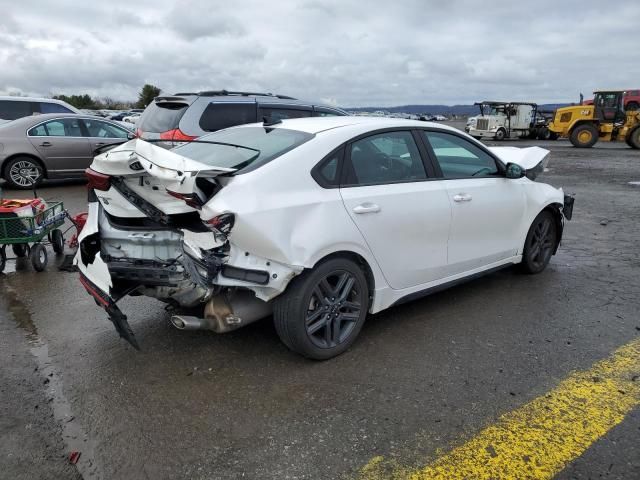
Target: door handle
366, 208
45, 144
462, 197
99, 144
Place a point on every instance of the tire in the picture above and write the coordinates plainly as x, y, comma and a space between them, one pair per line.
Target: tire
544, 134
584, 136
20, 172
20, 249
38, 257
57, 241
632, 106
500, 134
540, 243
553, 135
3, 259
634, 138
298, 313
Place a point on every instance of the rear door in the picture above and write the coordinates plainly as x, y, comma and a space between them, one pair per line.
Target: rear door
486, 207
101, 133
403, 215
63, 145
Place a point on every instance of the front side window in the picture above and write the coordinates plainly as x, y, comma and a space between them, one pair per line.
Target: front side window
243, 148
46, 107
390, 157
274, 113
224, 115
459, 158
66, 127
99, 129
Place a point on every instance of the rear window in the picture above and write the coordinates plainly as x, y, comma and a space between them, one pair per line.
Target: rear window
46, 107
275, 114
246, 148
158, 118
224, 115
12, 109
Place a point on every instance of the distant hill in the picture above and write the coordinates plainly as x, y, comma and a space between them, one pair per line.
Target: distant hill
448, 110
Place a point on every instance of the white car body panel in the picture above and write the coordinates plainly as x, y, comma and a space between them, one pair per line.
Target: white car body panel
420, 238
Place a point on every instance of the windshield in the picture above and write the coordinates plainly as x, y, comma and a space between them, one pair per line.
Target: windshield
243, 148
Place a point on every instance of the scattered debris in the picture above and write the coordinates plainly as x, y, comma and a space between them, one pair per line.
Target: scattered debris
74, 457
604, 222
634, 184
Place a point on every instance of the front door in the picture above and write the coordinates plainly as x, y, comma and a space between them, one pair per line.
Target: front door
63, 146
486, 207
403, 216
103, 133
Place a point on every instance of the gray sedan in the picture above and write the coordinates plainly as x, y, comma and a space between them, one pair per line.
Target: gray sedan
53, 146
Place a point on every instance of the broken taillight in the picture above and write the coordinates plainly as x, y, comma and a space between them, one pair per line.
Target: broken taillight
221, 224
191, 199
97, 180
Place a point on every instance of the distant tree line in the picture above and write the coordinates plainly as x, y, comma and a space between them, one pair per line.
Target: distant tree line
145, 97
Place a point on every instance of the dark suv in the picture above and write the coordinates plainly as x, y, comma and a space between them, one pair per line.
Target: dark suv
185, 116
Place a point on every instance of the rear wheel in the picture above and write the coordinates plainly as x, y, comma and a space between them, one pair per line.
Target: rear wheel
39, 257
23, 173
540, 243
20, 249
584, 136
553, 135
544, 134
322, 311
634, 138
57, 241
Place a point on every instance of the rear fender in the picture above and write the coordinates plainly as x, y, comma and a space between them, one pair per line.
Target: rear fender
88, 259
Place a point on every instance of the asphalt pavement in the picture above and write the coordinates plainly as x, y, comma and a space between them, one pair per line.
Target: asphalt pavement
422, 378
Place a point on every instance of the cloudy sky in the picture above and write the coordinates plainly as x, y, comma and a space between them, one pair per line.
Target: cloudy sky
350, 53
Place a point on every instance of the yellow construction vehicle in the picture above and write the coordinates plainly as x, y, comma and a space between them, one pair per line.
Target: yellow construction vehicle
604, 120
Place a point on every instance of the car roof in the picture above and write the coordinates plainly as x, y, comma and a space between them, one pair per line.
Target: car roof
316, 125
34, 119
31, 99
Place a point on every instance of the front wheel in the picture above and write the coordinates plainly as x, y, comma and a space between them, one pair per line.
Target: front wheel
584, 136
322, 311
57, 241
540, 243
501, 134
20, 249
24, 173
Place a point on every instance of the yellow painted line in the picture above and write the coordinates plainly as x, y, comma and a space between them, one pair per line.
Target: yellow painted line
539, 439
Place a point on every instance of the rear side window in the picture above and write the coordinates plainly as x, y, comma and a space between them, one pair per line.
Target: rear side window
46, 107
159, 118
327, 172
326, 112
100, 129
274, 113
224, 115
12, 109
390, 157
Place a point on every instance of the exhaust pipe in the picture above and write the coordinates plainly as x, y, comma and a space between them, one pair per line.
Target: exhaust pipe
224, 313
183, 322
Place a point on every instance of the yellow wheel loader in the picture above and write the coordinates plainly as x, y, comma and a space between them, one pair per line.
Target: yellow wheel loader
604, 120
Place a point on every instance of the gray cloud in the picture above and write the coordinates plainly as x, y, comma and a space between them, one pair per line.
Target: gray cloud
349, 52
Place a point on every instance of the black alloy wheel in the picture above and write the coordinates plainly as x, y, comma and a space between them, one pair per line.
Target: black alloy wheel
322, 310
540, 243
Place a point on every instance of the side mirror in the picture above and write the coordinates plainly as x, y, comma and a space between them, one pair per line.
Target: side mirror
515, 171
131, 135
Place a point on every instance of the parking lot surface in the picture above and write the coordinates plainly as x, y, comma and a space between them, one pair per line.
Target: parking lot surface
423, 378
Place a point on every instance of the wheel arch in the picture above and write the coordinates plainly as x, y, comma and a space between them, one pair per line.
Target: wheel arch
357, 258
577, 123
6, 161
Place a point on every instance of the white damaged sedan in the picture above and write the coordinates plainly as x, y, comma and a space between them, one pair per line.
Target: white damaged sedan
317, 221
